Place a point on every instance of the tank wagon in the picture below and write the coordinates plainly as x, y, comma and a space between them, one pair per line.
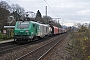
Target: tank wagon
26, 31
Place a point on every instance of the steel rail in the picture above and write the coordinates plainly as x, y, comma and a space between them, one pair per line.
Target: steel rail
50, 49
8, 48
34, 50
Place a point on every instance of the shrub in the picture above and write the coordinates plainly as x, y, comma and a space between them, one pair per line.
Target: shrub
80, 44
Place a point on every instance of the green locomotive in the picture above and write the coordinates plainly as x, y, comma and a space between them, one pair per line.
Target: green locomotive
26, 31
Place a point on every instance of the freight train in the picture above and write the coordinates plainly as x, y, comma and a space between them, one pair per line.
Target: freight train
26, 31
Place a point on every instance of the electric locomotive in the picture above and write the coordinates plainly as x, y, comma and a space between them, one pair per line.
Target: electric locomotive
26, 31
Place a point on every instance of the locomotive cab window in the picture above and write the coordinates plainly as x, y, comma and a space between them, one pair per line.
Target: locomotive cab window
23, 25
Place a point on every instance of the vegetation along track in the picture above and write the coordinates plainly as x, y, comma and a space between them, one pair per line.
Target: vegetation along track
40, 52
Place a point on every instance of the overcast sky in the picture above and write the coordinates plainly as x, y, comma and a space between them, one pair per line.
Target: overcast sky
70, 11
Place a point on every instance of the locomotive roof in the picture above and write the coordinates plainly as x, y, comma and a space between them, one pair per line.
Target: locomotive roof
35, 22
39, 23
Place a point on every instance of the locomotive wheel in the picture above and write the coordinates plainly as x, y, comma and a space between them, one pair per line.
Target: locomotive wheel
36, 38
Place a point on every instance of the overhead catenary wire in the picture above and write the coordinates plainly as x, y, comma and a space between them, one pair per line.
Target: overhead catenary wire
51, 8
54, 11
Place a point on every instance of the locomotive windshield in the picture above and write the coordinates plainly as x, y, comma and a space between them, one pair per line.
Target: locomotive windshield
23, 25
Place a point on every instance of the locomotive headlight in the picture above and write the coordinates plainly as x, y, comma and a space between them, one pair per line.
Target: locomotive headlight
26, 31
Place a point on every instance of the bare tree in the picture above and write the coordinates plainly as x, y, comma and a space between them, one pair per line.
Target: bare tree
4, 4
4, 13
47, 19
18, 10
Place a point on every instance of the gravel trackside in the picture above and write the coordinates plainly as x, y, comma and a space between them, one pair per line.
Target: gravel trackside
59, 52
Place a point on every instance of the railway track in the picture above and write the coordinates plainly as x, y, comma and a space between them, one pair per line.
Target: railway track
41, 51
12, 46
50, 49
8, 47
